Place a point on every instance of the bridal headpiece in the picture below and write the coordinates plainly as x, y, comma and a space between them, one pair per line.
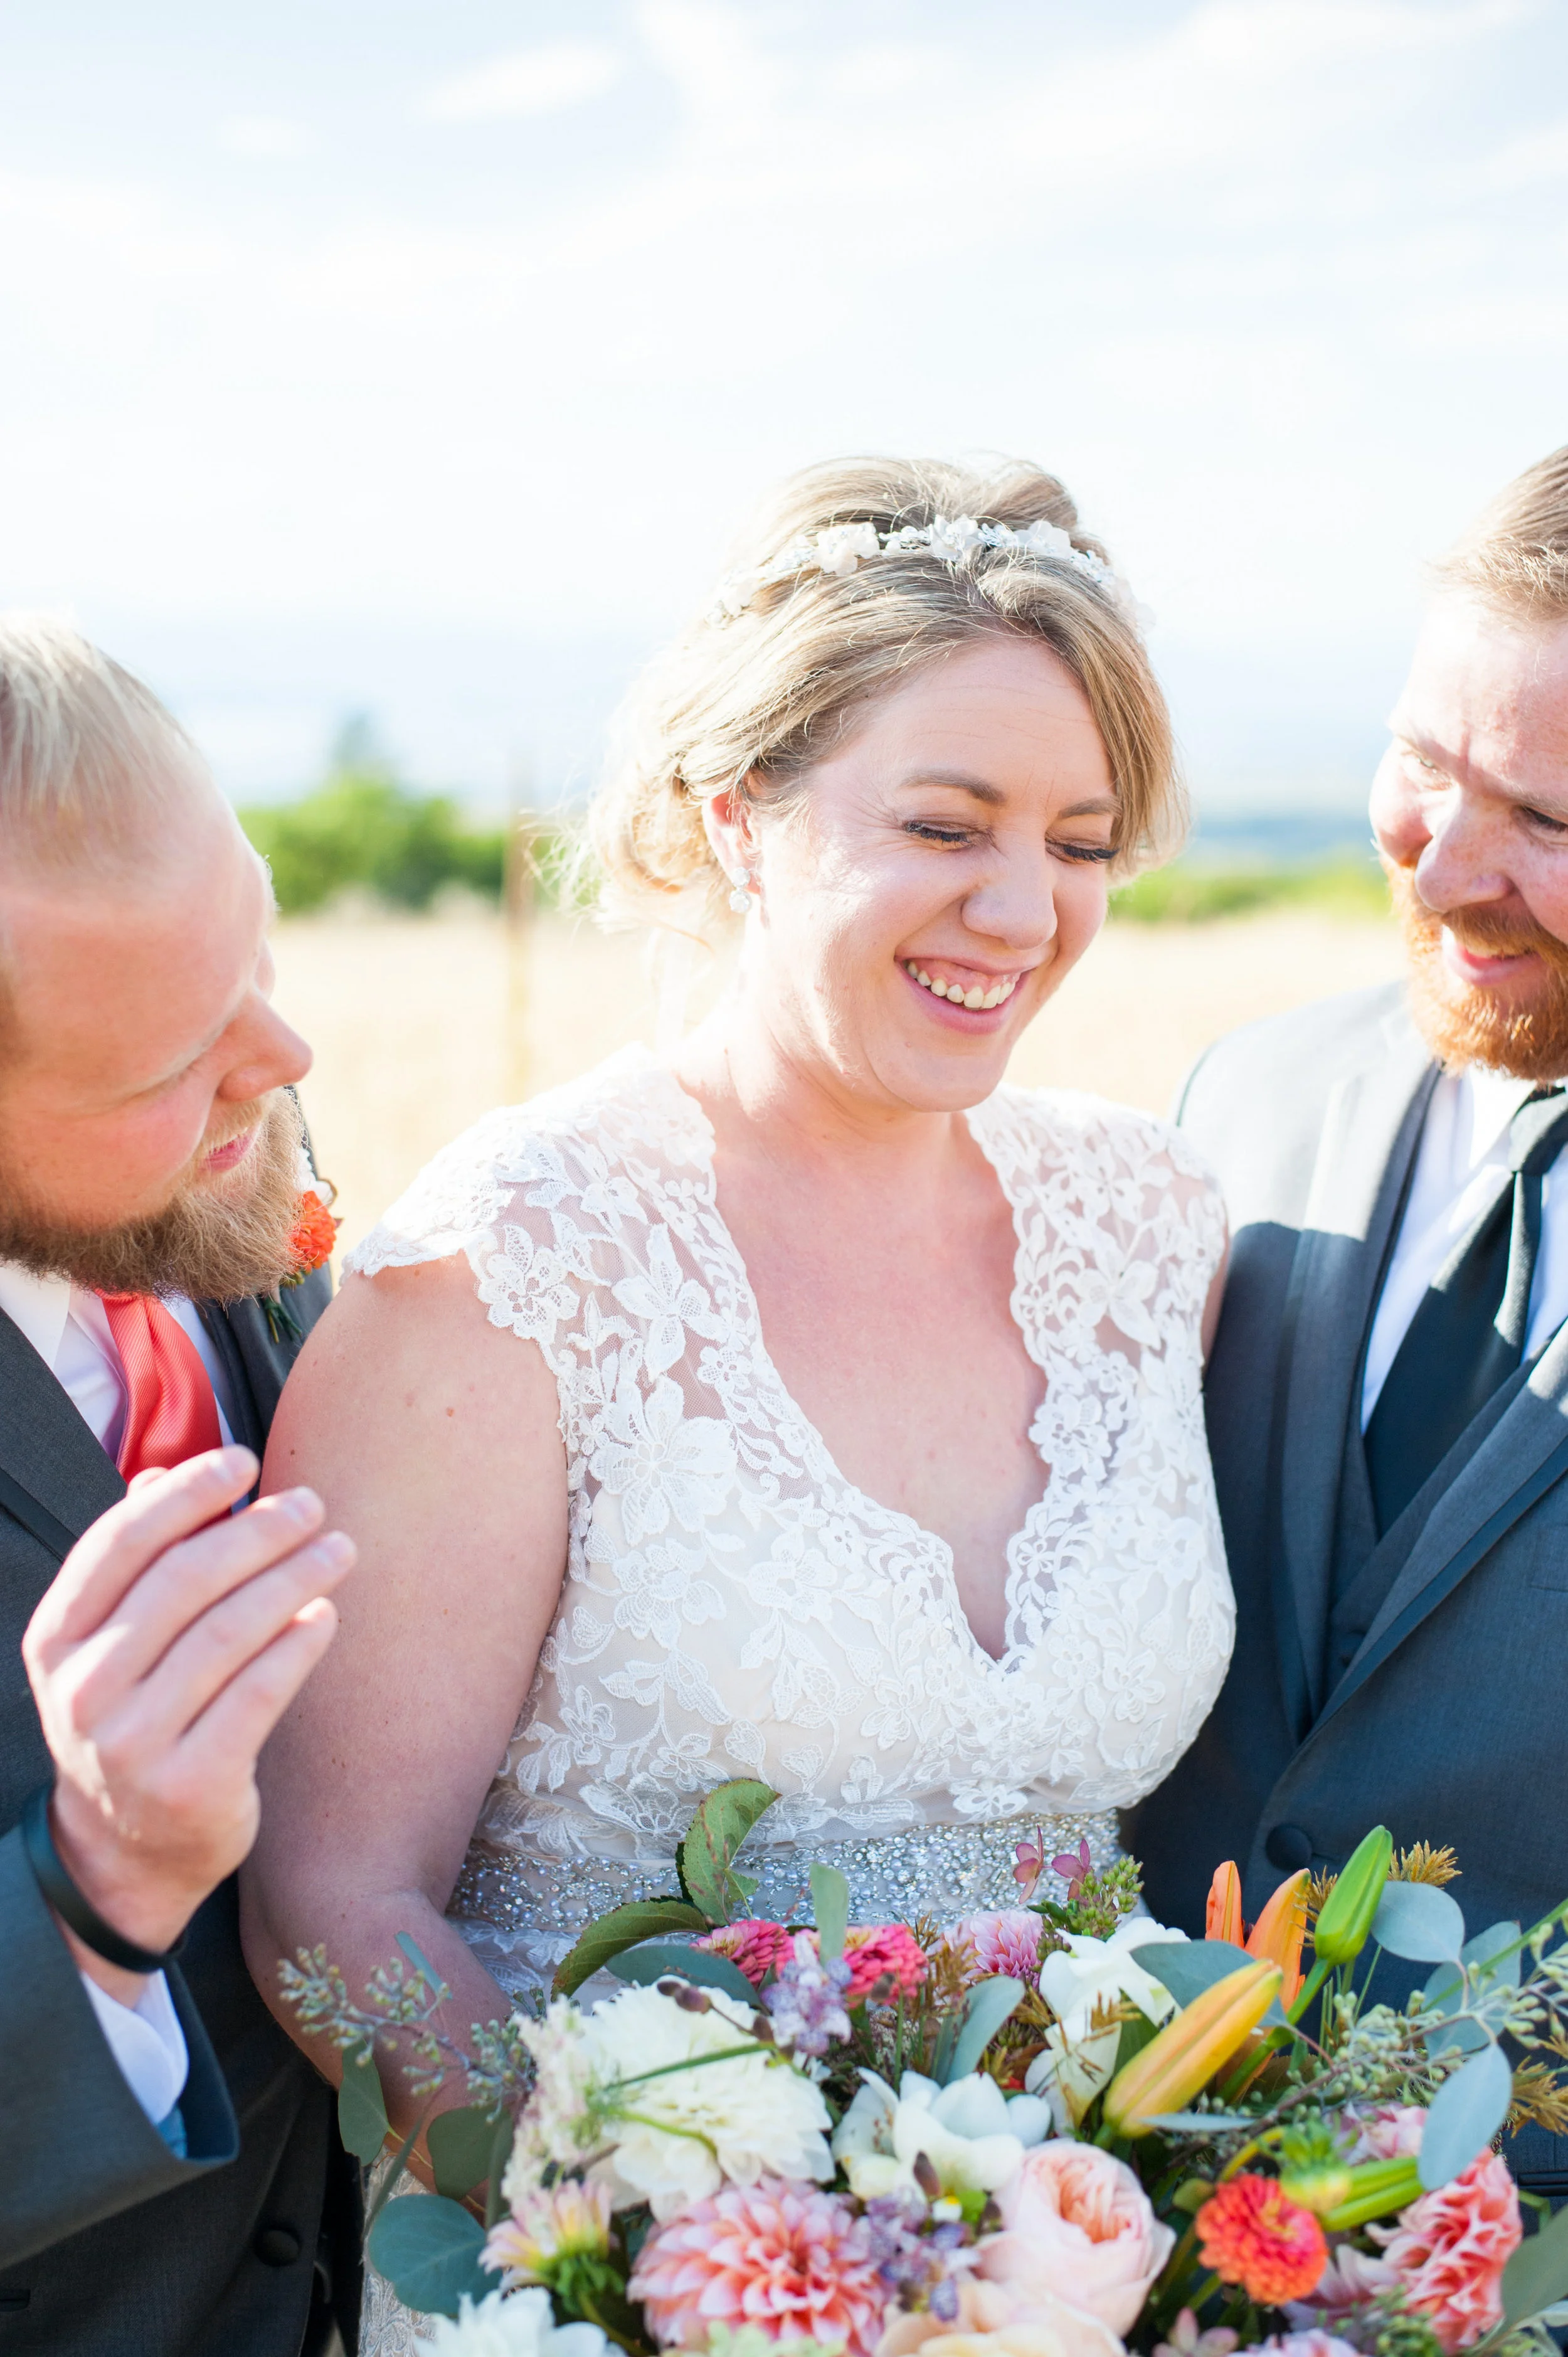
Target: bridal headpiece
839, 549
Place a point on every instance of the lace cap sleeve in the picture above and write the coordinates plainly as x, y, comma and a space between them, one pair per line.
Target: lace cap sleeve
454, 1203
1069, 1159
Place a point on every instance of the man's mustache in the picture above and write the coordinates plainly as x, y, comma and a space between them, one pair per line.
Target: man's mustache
1490, 933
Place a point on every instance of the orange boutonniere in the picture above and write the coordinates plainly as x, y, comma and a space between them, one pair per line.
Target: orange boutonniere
311, 1239
314, 1234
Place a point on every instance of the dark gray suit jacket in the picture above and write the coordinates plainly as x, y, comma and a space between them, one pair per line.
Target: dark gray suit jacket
1446, 1722
110, 2246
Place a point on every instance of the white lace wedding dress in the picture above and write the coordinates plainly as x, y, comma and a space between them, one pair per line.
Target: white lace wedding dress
734, 1606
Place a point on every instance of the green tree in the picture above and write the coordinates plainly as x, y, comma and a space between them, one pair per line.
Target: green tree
362, 827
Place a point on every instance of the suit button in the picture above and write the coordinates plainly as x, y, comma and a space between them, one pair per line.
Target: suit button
1289, 1848
276, 2246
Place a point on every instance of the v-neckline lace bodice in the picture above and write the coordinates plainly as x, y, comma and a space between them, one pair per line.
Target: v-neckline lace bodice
818, 1459
732, 1604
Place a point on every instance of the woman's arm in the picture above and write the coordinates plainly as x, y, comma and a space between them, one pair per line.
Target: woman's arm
1211, 1307
432, 1436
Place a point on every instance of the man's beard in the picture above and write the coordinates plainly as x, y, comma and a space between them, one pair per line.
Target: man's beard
1467, 1024
217, 1240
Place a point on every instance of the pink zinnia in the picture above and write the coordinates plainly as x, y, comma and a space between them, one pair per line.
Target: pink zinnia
1449, 2250
872, 1950
754, 1947
1002, 1940
787, 2258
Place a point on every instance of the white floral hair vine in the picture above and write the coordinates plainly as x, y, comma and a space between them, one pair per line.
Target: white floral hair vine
842, 548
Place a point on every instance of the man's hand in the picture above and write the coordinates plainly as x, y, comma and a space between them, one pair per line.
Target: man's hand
168, 1647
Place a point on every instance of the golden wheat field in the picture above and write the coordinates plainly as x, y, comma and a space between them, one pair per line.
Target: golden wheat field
421, 1023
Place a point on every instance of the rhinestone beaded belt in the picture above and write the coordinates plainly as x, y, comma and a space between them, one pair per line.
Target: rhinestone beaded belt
940, 1870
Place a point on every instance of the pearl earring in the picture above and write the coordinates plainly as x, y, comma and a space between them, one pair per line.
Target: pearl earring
740, 898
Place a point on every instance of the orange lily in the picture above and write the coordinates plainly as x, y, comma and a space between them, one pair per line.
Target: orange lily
1279, 1931
1224, 1916
1181, 2059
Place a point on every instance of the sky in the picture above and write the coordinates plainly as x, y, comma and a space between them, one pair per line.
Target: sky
423, 360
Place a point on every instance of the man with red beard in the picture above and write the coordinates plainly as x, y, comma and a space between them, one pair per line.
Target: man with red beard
171, 2180
1388, 1395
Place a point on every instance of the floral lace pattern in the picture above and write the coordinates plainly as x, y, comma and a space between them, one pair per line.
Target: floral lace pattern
732, 1603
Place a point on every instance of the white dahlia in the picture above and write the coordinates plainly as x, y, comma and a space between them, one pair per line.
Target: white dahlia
520, 2325
680, 2132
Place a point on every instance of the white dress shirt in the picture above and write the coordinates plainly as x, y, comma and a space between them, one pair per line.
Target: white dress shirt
69, 1331
1464, 1146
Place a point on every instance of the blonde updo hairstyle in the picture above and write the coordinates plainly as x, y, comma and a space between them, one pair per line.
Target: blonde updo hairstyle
747, 705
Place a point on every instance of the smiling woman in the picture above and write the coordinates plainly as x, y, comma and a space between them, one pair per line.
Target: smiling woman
812, 1407
837, 596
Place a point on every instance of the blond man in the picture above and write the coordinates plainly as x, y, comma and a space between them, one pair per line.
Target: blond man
164, 2183
1388, 1398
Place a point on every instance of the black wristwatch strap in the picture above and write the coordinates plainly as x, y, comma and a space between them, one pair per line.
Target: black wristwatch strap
69, 1903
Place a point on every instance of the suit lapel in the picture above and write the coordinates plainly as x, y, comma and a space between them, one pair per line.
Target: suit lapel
45, 1446
258, 1350
249, 1430
49, 1452
1370, 1131
1518, 1459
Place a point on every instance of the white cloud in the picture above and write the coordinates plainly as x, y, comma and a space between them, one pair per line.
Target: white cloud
1534, 156
529, 81
265, 137
1200, 270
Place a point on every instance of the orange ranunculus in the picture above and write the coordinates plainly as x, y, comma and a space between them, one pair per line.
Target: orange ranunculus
1279, 1931
314, 1233
1251, 2235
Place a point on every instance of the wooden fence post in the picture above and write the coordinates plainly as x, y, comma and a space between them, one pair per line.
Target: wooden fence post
519, 900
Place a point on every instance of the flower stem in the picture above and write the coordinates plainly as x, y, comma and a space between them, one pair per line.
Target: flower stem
1309, 1988
591, 2315
667, 2128
692, 2062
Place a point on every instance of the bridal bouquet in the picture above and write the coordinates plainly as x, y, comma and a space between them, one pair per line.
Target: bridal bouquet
1053, 2130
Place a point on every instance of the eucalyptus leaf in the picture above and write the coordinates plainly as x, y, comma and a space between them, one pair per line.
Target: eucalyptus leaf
623, 1927
391, 2176
1492, 1982
428, 2249
830, 1906
1465, 2114
361, 2106
656, 1958
1187, 1967
419, 1960
991, 2003
1498, 1949
502, 2132
715, 1833
1420, 1922
1536, 2278
1455, 2037
460, 2144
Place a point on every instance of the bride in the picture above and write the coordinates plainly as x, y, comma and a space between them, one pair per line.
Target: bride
812, 1406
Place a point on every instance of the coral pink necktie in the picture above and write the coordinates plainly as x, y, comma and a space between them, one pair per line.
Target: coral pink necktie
173, 1414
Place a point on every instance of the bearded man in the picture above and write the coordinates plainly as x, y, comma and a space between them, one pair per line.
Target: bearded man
1388, 1395
171, 2179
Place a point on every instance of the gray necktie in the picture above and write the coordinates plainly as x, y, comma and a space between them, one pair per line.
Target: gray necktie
1467, 1335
